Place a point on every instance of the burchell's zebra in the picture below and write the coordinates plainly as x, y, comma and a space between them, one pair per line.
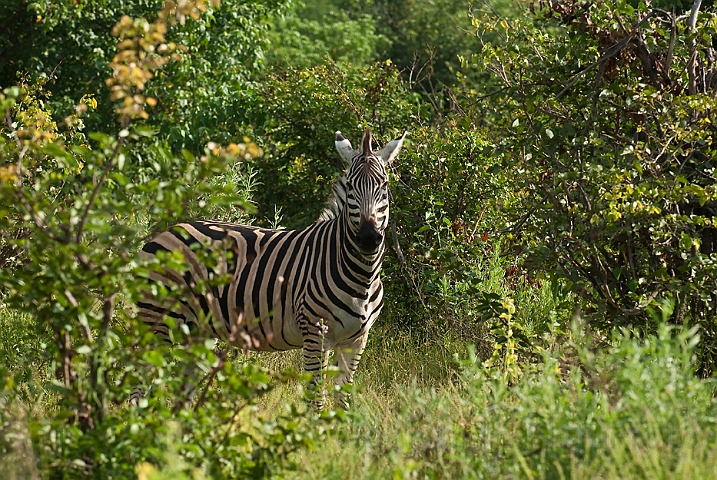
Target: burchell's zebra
317, 289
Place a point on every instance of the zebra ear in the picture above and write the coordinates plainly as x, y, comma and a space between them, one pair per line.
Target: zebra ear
346, 152
366, 142
389, 152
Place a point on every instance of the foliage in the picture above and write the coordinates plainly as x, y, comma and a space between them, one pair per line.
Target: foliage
630, 409
426, 37
606, 123
425, 40
443, 234
197, 95
297, 112
435, 272
559, 162
312, 33
69, 218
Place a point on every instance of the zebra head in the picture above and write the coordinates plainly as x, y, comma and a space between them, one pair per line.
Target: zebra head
367, 189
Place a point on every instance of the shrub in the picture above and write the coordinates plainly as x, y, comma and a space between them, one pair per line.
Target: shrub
296, 113
605, 121
198, 95
70, 216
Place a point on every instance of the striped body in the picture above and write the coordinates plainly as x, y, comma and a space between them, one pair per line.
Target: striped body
270, 290
279, 281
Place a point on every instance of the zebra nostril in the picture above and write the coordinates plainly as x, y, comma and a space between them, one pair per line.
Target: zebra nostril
370, 240
366, 235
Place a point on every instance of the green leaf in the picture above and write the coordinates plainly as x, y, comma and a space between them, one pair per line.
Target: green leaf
84, 349
188, 156
13, 92
64, 158
616, 272
685, 242
101, 138
154, 357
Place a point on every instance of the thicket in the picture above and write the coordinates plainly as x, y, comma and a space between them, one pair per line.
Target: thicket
76, 207
577, 136
559, 164
607, 121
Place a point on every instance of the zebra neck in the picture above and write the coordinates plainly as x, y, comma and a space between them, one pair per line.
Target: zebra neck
337, 201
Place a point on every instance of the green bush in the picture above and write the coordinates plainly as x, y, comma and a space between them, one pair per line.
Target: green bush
312, 33
72, 349
450, 198
569, 159
198, 95
296, 113
612, 150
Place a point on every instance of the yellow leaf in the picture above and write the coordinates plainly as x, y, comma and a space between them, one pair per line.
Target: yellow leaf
89, 100
144, 470
8, 173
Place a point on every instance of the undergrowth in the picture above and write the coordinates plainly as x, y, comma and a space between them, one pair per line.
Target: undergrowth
634, 409
616, 408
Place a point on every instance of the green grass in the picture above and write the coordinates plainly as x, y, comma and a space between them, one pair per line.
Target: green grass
634, 411
630, 408
394, 360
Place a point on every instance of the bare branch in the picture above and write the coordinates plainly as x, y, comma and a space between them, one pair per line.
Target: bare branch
691, 65
522, 220
671, 48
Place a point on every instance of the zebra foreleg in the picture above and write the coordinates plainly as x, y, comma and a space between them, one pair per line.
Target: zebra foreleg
347, 359
316, 357
316, 363
138, 393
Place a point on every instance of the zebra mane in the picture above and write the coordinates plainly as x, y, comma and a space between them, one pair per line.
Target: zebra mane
337, 201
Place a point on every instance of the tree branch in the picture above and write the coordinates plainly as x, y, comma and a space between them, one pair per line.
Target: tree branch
609, 53
691, 65
95, 191
24, 201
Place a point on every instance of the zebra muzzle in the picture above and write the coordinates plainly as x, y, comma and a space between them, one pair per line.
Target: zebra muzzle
369, 238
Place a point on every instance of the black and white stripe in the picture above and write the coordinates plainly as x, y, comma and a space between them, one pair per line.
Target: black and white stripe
317, 289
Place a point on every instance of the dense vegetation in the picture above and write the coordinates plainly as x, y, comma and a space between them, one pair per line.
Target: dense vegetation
551, 264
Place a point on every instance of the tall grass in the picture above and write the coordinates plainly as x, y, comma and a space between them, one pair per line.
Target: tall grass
633, 410
392, 362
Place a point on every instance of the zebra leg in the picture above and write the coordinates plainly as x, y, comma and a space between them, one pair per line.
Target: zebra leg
138, 393
316, 363
348, 357
316, 357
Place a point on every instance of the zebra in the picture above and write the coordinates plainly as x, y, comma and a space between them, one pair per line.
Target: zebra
314, 289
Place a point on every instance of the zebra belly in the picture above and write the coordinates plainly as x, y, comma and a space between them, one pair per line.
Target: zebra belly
275, 334
353, 328
266, 322
345, 326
